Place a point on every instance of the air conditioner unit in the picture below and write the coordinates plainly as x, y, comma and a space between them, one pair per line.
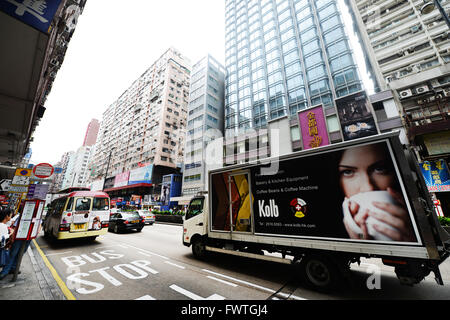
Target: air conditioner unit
414, 29
435, 83
422, 89
405, 93
54, 62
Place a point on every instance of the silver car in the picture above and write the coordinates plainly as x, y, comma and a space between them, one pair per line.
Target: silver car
149, 217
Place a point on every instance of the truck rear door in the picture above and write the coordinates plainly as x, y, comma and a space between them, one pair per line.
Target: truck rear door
241, 202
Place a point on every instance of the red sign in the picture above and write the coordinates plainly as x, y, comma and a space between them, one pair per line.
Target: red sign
313, 128
43, 170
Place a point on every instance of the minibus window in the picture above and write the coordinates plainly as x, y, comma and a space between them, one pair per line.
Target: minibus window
100, 204
83, 204
69, 204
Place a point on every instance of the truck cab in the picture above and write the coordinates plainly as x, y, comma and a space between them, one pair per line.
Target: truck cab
195, 224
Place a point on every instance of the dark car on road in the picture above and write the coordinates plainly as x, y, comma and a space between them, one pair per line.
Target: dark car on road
121, 221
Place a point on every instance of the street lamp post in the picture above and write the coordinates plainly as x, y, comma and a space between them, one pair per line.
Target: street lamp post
107, 168
429, 6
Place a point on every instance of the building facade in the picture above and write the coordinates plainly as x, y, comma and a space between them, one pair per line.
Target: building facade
146, 124
205, 121
409, 51
90, 137
77, 170
282, 57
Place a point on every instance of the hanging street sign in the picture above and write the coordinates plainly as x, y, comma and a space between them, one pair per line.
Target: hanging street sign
43, 170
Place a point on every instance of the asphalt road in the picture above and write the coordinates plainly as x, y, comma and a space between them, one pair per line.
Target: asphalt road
154, 265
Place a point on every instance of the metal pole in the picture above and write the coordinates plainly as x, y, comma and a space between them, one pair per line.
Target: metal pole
107, 168
443, 13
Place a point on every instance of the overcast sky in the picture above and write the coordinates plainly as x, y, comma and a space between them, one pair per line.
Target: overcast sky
114, 42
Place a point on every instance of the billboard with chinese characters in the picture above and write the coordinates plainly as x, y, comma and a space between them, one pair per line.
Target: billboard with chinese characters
313, 128
436, 175
121, 179
356, 116
37, 14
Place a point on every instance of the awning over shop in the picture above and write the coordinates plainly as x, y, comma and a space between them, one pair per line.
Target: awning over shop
131, 186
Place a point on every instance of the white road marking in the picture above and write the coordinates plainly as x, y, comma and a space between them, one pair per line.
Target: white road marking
147, 253
146, 297
58, 253
175, 265
113, 245
193, 296
222, 281
255, 285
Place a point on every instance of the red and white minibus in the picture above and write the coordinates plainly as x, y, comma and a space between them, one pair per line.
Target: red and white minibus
78, 214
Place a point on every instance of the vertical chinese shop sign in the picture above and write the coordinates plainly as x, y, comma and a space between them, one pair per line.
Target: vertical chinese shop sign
313, 128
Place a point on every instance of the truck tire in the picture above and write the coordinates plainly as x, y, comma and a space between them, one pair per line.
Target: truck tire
319, 273
198, 248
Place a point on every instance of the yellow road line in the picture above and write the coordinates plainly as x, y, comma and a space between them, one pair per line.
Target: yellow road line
58, 279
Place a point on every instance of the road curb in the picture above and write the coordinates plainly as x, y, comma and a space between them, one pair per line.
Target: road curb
54, 281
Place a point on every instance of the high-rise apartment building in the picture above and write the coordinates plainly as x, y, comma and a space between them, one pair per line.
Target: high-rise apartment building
90, 137
409, 51
146, 124
77, 169
204, 122
283, 56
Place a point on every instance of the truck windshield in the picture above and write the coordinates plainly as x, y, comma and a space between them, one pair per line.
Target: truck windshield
195, 208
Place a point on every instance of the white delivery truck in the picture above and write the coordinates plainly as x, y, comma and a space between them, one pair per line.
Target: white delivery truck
325, 208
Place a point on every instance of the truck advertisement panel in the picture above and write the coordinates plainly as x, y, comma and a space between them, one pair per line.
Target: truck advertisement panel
351, 194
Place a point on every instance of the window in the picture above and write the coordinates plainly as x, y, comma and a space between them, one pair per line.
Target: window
195, 208
295, 133
83, 204
69, 204
332, 123
295, 82
100, 204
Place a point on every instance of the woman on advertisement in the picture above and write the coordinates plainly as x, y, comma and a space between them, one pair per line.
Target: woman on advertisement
374, 208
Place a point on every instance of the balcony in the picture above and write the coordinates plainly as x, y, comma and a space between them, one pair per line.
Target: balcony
428, 117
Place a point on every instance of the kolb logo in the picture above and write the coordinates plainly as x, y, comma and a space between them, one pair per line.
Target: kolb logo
298, 207
270, 210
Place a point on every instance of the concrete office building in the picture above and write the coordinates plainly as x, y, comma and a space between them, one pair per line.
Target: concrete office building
204, 122
409, 51
146, 125
283, 56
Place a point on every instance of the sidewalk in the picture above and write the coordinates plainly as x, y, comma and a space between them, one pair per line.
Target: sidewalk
34, 283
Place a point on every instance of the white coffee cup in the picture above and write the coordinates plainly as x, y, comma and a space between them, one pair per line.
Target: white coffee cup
365, 201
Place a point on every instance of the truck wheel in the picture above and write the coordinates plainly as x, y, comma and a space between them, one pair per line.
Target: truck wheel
319, 273
198, 248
